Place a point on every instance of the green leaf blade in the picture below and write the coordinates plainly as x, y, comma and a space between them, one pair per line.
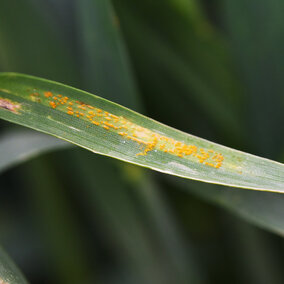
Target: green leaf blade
112, 130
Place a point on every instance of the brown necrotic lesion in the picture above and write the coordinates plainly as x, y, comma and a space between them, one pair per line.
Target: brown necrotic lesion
9, 105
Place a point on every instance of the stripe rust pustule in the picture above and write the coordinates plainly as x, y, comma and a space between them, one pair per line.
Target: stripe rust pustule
146, 138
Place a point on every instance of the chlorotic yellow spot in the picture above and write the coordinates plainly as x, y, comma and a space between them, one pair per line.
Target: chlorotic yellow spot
35, 97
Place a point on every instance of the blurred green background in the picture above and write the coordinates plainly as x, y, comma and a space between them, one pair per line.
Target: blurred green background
210, 68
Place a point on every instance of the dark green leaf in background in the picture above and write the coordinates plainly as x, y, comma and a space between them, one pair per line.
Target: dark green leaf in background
30, 44
255, 33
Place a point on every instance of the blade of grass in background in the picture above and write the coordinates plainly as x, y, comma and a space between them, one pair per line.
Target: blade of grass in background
255, 33
55, 219
178, 251
264, 209
263, 262
18, 146
9, 273
105, 63
123, 134
32, 46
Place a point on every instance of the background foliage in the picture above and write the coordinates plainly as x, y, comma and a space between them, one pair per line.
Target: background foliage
210, 68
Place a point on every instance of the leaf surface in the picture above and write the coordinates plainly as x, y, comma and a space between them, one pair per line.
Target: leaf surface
112, 130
